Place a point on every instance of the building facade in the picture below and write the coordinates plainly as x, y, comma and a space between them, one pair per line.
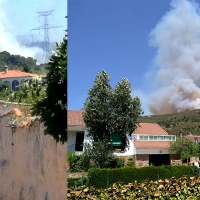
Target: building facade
14, 78
148, 144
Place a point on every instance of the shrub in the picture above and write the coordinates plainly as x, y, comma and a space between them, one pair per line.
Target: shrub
74, 162
75, 182
99, 177
130, 163
120, 162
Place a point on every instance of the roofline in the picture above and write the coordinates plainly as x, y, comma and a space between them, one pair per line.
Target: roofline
76, 128
151, 134
16, 77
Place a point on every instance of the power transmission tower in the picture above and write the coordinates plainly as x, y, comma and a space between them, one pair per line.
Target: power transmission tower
46, 27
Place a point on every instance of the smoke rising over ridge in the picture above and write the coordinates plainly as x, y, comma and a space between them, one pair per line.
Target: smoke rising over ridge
9, 43
177, 39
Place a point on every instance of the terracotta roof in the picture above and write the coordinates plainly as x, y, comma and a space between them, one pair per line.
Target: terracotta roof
150, 128
154, 144
191, 136
74, 118
14, 111
15, 73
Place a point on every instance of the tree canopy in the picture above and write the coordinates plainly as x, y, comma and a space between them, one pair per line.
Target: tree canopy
52, 108
21, 63
185, 148
110, 110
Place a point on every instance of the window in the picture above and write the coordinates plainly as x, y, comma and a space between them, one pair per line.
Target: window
79, 141
160, 138
15, 85
157, 137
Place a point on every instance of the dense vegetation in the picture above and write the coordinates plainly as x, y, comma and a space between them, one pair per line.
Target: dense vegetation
165, 189
99, 178
21, 63
185, 122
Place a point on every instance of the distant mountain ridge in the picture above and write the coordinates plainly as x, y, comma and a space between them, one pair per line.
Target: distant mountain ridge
186, 122
21, 63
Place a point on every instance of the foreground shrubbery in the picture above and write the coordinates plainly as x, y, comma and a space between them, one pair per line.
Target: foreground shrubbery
82, 162
172, 189
101, 178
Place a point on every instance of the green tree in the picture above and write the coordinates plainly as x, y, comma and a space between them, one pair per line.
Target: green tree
99, 154
185, 148
108, 110
52, 108
26, 68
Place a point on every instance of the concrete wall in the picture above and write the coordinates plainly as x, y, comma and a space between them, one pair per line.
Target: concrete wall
32, 165
71, 138
152, 151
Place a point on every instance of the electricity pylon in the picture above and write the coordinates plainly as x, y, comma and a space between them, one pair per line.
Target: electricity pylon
46, 27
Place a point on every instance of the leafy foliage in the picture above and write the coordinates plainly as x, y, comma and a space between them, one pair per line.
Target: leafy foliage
52, 108
130, 163
100, 154
21, 63
108, 110
170, 189
78, 162
31, 91
185, 148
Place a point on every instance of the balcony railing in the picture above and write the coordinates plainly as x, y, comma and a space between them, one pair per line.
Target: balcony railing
75, 147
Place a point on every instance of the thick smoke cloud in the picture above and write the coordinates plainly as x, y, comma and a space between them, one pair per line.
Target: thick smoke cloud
10, 44
177, 39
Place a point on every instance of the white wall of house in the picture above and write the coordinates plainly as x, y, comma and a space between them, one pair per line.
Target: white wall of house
152, 151
10, 80
71, 138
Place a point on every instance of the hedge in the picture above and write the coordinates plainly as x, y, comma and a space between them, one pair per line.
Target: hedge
75, 182
101, 178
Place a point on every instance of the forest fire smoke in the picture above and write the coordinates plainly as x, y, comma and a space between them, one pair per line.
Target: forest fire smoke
177, 39
10, 44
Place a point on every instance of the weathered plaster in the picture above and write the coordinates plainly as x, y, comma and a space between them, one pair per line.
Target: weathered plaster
32, 165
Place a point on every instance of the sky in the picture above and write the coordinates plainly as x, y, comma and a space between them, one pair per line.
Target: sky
153, 43
17, 18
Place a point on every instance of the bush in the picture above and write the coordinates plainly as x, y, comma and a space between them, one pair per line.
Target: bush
120, 162
74, 162
99, 177
130, 163
75, 182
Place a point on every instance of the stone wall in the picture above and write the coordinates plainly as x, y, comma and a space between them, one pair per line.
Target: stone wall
142, 160
175, 160
32, 165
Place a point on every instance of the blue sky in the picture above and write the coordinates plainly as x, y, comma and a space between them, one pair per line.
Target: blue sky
17, 18
153, 43
111, 35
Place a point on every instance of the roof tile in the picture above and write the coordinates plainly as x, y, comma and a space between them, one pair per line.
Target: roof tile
74, 118
15, 73
150, 128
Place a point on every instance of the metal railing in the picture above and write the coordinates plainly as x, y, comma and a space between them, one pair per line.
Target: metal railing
75, 147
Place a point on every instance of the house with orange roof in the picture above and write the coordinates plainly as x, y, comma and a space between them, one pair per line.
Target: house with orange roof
14, 78
149, 144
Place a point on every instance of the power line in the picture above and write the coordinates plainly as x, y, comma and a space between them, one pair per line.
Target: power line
46, 26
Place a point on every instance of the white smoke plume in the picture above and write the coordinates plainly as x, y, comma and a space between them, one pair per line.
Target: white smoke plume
177, 39
10, 44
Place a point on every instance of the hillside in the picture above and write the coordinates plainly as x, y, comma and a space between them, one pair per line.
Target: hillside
188, 121
21, 63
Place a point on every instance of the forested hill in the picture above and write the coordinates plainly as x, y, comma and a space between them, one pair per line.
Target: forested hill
21, 63
186, 122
